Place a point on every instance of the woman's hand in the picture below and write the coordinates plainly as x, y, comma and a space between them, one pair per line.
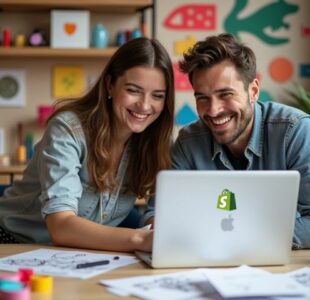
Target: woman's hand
143, 239
150, 221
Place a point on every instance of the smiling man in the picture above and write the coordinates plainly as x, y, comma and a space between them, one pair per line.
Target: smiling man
235, 132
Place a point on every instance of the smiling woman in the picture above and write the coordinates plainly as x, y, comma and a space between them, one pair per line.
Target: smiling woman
99, 153
138, 99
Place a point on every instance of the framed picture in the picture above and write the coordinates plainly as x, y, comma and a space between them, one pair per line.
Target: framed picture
70, 29
68, 81
12, 87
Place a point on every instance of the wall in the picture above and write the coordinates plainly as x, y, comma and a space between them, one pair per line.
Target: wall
274, 29
291, 26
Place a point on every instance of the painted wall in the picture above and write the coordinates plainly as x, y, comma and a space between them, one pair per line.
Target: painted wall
277, 30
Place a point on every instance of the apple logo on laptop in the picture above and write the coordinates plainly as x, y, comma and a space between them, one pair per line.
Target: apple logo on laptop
227, 224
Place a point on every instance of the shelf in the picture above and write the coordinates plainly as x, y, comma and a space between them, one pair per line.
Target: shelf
116, 6
46, 52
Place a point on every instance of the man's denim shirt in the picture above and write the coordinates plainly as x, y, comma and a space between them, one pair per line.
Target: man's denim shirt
280, 140
56, 180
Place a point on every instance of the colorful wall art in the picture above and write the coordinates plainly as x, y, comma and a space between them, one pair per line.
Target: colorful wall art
68, 81
277, 30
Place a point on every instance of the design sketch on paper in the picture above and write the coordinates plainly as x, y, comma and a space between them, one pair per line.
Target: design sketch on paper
64, 263
62, 260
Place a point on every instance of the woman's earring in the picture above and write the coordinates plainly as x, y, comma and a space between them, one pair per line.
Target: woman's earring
109, 98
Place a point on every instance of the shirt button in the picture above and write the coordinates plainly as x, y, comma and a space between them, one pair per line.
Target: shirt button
105, 215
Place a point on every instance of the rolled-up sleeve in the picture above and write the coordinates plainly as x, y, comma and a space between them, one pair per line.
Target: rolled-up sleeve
59, 164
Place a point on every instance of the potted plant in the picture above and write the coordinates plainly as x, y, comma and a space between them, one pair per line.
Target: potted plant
300, 98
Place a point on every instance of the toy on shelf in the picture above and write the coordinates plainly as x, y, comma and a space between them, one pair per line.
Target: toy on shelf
6, 38
136, 33
20, 40
44, 111
100, 36
21, 149
29, 145
124, 36
37, 38
120, 38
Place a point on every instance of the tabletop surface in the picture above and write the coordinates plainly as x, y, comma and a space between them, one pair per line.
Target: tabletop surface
90, 289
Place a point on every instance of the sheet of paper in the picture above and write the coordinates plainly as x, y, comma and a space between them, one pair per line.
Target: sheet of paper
240, 284
302, 276
118, 292
173, 286
64, 263
180, 285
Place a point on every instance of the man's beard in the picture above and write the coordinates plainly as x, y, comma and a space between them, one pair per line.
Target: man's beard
246, 117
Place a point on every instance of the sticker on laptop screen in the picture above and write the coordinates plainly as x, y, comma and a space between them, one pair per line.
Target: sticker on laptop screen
226, 200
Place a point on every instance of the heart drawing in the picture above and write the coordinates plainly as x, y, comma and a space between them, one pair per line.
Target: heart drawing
70, 28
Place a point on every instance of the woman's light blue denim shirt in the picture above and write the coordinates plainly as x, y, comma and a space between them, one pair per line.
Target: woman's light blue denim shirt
57, 179
280, 140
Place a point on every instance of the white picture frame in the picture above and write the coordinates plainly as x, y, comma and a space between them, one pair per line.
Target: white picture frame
70, 29
12, 87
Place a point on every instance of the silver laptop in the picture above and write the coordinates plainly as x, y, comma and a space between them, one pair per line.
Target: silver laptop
223, 218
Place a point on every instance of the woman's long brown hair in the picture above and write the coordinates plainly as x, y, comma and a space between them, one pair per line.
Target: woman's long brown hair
150, 149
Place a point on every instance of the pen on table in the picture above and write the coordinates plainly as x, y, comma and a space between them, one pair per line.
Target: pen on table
93, 264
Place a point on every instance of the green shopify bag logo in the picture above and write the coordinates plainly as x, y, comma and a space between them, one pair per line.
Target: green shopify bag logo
226, 200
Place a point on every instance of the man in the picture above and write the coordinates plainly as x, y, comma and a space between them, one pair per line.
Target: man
235, 132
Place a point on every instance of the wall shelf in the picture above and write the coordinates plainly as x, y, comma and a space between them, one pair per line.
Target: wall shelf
100, 6
46, 52
23, 16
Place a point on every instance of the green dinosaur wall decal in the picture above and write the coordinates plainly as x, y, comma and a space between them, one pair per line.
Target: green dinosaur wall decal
271, 15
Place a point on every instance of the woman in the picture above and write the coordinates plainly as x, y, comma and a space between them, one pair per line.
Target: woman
98, 154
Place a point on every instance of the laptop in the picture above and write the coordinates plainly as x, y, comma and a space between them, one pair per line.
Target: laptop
223, 218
